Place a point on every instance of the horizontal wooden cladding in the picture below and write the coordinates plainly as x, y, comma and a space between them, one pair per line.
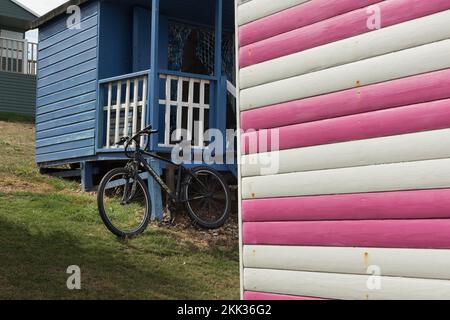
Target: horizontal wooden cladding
417, 204
49, 150
17, 93
419, 117
429, 174
65, 104
80, 116
341, 27
398, 37
76, 80
65, 74
411, 263
344, 286
68, 63
420, 234
67, 54
264, 296
257, 9
54, 116
76, 128
71, 137
66, 154
427, 145
67, 85
68, 93
297, 17
59, 25
69, 42
390, 94
401, 64
68, 33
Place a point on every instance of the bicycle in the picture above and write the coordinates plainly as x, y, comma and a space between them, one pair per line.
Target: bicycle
124, 201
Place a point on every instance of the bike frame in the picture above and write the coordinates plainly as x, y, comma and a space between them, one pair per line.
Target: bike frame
141, 159
139, 156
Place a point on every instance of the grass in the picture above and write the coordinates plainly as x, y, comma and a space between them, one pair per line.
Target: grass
12, 117
48, 224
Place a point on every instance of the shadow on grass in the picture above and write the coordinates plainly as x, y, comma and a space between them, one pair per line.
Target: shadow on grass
13, 117
33, 266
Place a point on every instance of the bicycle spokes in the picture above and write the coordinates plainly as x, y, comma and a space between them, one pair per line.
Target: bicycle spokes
207, 198
125, 203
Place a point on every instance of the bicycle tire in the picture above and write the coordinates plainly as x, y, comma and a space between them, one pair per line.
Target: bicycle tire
104, 215
195, 216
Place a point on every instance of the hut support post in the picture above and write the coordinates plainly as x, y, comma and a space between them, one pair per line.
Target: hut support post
152, 111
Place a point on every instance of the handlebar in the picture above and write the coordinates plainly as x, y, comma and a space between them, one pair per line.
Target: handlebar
127, 140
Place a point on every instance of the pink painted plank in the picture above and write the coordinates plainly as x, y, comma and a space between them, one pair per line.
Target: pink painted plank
341, 27
433, 234
297, 17
417, 204
262, 296
420, 117
390, 94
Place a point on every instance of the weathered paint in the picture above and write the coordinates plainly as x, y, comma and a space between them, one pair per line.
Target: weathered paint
398, 37
416, 204
412, 263
334, 29
402, 92
421, 117
344, 286
296, 17
411, 233
342, 193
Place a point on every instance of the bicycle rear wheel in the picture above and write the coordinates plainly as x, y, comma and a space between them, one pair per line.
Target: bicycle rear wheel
124, 204
207, 198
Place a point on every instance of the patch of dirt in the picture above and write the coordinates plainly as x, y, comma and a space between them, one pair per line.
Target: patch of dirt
14, 184
224, 238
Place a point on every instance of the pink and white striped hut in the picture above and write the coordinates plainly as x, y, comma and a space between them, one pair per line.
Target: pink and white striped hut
345, 150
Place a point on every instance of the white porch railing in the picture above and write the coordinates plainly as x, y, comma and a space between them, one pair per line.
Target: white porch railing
185, 106
125, 109
18, 56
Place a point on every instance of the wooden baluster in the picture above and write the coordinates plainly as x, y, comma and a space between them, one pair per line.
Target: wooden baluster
108, 117
144, 107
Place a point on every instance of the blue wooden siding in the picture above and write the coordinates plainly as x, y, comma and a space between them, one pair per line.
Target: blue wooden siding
67, 88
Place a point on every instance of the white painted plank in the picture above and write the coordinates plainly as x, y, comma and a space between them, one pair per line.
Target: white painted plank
428, 174
344, 286
127, 108
135, 105
402, 148
179, 107
426, 58
257, 9
108, 116
201, 115
118, 108
167, 115
414, 263
190, 119
144, 108
405, 35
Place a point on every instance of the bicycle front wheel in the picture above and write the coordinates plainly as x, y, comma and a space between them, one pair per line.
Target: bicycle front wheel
124, 203
207, 198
